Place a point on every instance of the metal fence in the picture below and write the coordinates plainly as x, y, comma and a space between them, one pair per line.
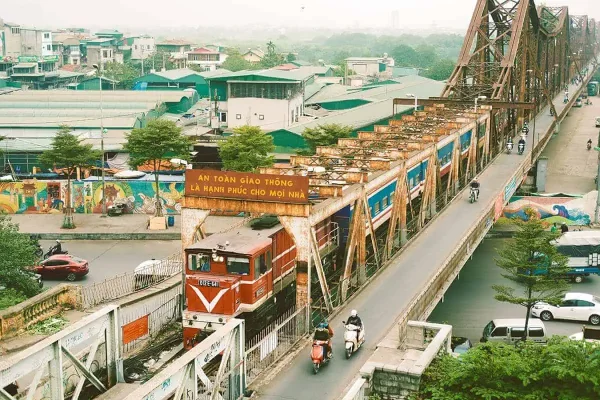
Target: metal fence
274, 341
131, 282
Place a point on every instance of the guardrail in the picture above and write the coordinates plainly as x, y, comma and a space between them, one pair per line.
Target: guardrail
44, 305
131, 282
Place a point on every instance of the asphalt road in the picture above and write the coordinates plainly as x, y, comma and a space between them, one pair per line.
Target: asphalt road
108, 258
469, 303
388, 295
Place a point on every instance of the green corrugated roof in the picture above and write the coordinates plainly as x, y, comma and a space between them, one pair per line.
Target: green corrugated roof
264, 75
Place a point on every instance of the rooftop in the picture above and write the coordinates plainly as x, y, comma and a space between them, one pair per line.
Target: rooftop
242, 240
266, 74
203, 50
175, 42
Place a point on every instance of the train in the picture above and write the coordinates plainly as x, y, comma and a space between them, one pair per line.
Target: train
249, 271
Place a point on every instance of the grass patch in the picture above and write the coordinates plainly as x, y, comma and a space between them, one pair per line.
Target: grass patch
48, 326
10, 297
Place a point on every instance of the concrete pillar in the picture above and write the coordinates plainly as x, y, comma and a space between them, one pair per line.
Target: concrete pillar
541, 171
299, 229
557, 127
192, 222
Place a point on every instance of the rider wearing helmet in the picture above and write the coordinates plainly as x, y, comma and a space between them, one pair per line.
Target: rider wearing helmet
57, 247
475, 186
354, 319
324, 333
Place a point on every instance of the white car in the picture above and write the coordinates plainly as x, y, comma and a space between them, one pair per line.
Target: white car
575, 306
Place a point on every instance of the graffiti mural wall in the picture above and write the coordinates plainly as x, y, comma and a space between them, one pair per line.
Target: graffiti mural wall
34, 197
560, 208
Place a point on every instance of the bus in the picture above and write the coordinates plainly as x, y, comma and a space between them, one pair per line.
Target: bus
592, 88
583, 250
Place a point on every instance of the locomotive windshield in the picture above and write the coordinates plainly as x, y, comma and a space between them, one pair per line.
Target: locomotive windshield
238, 266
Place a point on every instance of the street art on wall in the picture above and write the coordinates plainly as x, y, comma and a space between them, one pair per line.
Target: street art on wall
41, 197
559, 208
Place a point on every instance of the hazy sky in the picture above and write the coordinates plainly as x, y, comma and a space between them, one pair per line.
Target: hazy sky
412, 14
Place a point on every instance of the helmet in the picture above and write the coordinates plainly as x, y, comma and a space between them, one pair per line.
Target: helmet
353, 313
323, 325
57, 241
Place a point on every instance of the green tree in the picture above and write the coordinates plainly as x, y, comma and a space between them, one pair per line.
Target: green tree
160, 140
405, 56
290, 57
523, 258
324, 135
125, 74
441, 70
235, 62
564, 369
247, 149
271, 59
18, 253
69, 153
426, 56
157, 61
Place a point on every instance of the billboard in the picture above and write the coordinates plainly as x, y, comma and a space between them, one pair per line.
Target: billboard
246, 186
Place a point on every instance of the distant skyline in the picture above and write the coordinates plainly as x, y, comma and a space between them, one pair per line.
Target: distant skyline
155, 15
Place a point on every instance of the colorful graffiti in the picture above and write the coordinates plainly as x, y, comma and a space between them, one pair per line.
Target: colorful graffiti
36, 197
571, 210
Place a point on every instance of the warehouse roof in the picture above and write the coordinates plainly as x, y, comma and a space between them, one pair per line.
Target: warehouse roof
36, 140
265, 74
53, 96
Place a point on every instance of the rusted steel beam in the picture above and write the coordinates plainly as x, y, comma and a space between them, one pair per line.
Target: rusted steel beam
361, 152
340, 162
493, 104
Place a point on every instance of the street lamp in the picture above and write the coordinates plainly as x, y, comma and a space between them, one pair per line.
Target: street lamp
413, 96
477, 99
102, 132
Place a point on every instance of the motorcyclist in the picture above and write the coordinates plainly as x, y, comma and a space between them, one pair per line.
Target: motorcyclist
521, 145
57, 247
475, 186
324, 333
589, 144
354, 319
509, 144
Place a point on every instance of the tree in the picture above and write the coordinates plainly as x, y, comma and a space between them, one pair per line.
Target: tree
426, 56
441, 70
533, 263
69, 153
18, 253
271, 59
564, 369
160, 140
405, 56
125, 74
247, 149
290, 57
235, 62
325, 135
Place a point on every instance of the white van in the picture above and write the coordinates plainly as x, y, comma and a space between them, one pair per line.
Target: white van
511, 330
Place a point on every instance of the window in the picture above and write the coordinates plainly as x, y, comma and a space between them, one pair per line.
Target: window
377, 208
199, 262
292, 119
104, 54
46, 35
499, 331
569, 303
135, 47
583, 303
15, 31
536, 332
148, 47
75, 61
261, 117
223, 116
238, 266
238, 116
381, 206
49, 47
517, 332
384, 202
260, 264
391, 198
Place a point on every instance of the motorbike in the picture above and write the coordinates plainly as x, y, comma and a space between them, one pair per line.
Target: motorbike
354, 337
473, 195
52, 251
509, 147
317, 355
116, 209
521, 148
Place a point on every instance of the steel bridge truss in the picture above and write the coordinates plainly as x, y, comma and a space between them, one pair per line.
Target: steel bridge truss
186, 378
74, 350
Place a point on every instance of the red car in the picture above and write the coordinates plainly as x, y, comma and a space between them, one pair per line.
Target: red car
62, 266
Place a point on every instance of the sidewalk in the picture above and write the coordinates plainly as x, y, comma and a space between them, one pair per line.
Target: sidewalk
94, 227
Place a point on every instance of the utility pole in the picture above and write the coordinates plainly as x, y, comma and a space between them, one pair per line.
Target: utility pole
597, 212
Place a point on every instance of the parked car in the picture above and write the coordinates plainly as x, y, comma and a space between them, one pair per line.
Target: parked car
511, 330
460, 345
588, 333
575, 306
62, 266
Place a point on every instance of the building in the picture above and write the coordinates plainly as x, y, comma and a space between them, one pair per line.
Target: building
177, 48
253, 56
104, 47
371, 66
178, 79
68, 47
141, 46
207, 59
37, 72
321, 73
269, 99
19, 41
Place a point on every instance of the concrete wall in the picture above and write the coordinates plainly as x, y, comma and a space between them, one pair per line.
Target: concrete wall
276, 114
35, 197
142, 48
22, 42
571, 210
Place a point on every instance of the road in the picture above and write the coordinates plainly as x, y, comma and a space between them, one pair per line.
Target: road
108, 258
571, 168
469, 303
387, 296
